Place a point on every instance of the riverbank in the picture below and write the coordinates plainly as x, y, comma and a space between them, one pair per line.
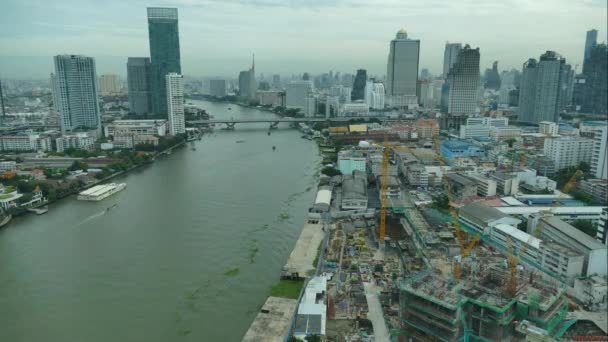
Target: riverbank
24, 211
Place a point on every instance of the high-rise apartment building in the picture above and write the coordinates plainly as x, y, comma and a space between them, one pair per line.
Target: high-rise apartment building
164, 53
358, 92
109, 85
545, 88
75, 90
374, 95
2, 105
138, 85
463, 82
450, 55
402, 68
599, 156
175, 103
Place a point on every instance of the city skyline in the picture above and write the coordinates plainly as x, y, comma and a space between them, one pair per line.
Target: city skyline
212, 48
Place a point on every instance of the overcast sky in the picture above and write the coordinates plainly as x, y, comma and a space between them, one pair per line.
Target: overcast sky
217, 37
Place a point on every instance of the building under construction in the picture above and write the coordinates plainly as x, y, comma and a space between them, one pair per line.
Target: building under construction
479, 307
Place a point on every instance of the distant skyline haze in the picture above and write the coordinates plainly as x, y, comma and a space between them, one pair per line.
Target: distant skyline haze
292, 37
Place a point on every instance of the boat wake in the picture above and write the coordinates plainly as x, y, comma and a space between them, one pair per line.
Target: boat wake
92, 217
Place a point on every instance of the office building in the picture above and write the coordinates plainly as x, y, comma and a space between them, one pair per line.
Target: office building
568, 151
138, 85
463, 82
492, 78
599, 156
488, 121
76, 92
450, 55
109, 85
296, 94
217, 88
274, 98
546, 88
164, 53
354, 109
175, 103
590, 43
402, 70
593, 83
359, 83
248, 83
374, 95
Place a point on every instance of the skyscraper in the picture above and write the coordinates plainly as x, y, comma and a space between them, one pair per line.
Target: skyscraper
138, 83
592, 92
402, 69
463, 82
175, 103
449, 56
164, 53
590, 42
359, 85
542, 88
492, 78
247, 83
75, 87
374, 94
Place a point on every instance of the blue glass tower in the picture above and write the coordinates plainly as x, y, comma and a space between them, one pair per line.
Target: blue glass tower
164, 53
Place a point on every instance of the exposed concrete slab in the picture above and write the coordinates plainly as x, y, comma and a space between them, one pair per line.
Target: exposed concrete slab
272, 322
304, 253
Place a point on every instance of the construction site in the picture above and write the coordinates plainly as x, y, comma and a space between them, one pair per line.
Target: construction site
437, 280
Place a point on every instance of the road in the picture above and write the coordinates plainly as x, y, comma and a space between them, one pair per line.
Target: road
374, 313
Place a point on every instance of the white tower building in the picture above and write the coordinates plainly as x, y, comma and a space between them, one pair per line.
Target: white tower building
175, 103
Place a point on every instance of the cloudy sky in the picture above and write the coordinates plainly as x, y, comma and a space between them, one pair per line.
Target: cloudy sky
217, 37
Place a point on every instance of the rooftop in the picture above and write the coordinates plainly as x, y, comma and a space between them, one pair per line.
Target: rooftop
573, 233
480, 213
272, 322
460, 179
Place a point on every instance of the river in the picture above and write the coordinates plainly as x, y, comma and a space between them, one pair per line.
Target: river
153, 267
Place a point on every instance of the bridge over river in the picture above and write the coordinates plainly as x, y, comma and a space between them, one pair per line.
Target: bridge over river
230, 123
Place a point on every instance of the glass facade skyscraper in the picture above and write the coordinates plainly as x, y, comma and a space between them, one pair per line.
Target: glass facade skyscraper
164, 53
138, 80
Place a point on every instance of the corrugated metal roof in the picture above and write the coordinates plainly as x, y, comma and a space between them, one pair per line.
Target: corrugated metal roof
358, 128
573, 233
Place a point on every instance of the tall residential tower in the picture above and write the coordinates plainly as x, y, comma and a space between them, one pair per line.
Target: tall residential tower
164, 53
175, 103
75, 90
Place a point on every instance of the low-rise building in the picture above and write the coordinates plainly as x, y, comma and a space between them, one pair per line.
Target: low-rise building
354, 109
417, 175
8, 166
19, 142
459, 148
461, 187
137, 127
427, 128
506, 183
82, 141
554, 229
354, 191
480, 218
485, 186
505, 132
596, 188
349, 161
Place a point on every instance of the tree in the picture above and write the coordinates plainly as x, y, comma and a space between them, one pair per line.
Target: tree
330, 171
586, 226
510, 142
313, 338
78, 165
441, 202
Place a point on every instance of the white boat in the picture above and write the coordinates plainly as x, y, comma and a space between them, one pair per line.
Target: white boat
99, 192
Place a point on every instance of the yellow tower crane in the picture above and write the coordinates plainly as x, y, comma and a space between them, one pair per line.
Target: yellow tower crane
571, 182
385, 156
